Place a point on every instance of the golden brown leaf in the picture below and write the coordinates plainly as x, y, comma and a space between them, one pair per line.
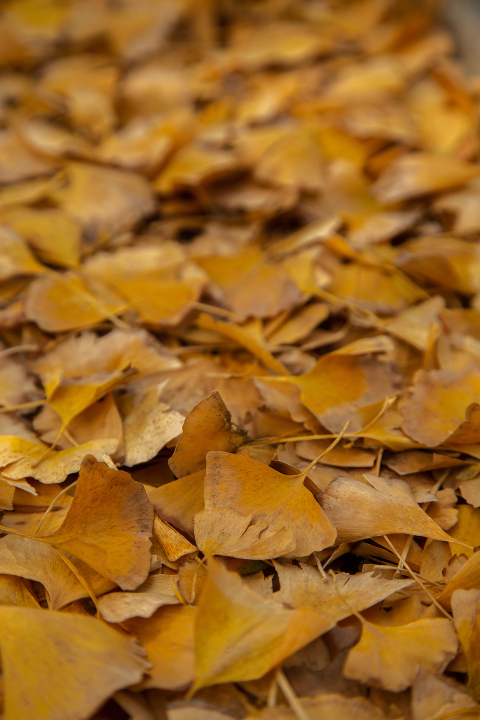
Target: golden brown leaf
207, 427
281, 501
74, 652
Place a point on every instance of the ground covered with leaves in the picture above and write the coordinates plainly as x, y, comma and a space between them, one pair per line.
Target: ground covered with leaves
240, 362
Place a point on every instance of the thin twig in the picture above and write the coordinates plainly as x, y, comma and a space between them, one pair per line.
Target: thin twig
292, 699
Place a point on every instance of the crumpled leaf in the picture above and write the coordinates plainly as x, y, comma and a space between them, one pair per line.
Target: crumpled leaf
303, 586
207, 427
359, 510
74, 651
390, 656
148, 424
281, 501
255, 635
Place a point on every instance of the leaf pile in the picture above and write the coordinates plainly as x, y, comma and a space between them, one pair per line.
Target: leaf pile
239, 362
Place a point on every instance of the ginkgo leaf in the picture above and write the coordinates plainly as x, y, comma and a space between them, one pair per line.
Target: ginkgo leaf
281, 501
245, 337
467, 577
389, 657
50, 300
23, 458
88, 354
70, 396
157, 590
359, 510
255, 634
38, 561
207, 427
435, 406
419, 173
327, 707
126, 197
465, 607
148, 424
243, 279
223, 531
108, 525
168, 638
303, 586
434, 696
339, 384
14, 591
179, 501
73, 652
51, 232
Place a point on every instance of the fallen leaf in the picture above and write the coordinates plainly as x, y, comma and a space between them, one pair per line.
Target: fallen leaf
465, 605
255, 635
280, 501
38, 561
168, 638
359, 510
211, 422
148, 424
389, 657
303, 586
156, 591
76, 651
119, 515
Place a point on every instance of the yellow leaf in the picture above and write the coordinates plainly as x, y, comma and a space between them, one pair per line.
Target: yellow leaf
255, 634
64, 302
108, 525
340, 384
148, 424
223, 531
390, 657
13, 591
71, 396
303, 586
465, 606
168, 637
38, 561
243, 337
23, 458
383, 506
466, 578
280, 501
416, 174
327, 707
207, 427
243, 279
157, 590
180, 500
434, 407
73, 652
51, 232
